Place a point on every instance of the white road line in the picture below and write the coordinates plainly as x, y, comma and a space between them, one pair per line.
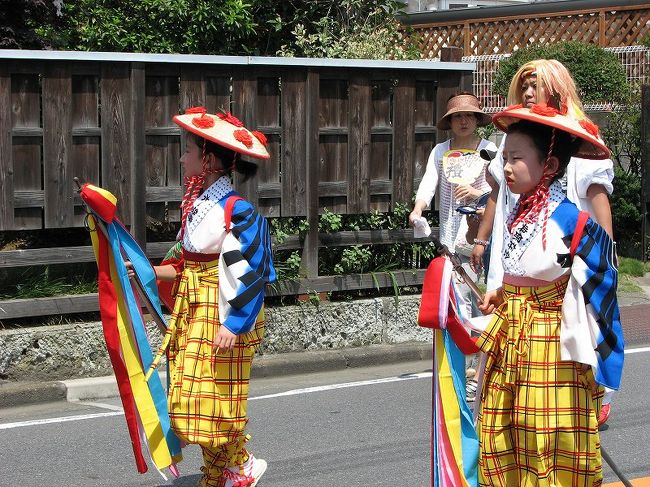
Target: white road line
37, 422
117, 411
344, 385
637, 350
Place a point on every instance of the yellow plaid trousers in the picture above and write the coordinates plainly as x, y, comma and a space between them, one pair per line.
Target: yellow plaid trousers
537, 423
208, 392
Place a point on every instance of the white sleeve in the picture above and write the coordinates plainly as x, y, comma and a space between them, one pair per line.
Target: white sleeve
496, 164
429, 183
588, 172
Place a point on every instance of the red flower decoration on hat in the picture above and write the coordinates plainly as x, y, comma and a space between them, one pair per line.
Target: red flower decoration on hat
260, 136
243, 136
191, 110
203, 122
513, 107
590, 127
230, 118
544, 110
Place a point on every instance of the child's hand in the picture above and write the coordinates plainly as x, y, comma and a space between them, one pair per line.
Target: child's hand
476, 259
225, 340
492, 300
129, 269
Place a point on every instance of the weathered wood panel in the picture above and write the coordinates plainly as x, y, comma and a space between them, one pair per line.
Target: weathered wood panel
57, 147
26, 151
137, 156
381, 142
84, 156
358, 174
116, 150
268, 122
244, 96
6, 159
294, 140
403, 140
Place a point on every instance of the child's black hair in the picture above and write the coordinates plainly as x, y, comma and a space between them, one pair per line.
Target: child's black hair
565, 145
230, 159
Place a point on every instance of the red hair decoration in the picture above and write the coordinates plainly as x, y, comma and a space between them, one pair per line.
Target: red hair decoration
590, 127
203, 122
230, 118
544, 110
244, 137
260, 136
191, 110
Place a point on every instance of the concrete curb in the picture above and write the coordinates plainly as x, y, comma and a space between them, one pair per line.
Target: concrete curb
14, 394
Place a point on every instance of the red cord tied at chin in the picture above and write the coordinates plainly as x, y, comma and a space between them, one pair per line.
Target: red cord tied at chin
230, 118
243, 136
544, 110
590, 127
260, 136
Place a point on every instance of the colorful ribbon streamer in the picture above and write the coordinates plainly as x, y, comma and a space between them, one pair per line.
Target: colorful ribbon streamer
144, 401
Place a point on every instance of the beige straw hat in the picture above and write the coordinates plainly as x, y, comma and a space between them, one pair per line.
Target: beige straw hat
224, 129
592, 146
464, 103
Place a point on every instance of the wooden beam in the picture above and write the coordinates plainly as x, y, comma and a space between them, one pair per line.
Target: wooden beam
138, 169
85, 303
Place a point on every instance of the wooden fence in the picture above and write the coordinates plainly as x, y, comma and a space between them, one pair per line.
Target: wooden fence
350, 136
481, 32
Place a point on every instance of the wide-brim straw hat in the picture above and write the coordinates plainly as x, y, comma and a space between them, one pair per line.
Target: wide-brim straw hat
592, 146
224, 129
464, 103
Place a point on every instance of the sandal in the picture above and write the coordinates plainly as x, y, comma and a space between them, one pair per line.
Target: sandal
470, 390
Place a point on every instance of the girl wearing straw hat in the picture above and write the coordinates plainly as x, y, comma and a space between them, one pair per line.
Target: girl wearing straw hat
456, 172
219, 267
585, 184
555, 339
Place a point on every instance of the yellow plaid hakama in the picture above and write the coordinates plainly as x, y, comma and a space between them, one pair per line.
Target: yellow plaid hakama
538, 420
208, 392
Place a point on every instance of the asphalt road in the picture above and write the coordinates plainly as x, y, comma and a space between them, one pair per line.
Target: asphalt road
359, 427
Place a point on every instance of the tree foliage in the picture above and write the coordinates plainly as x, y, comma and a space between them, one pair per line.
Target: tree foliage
17, 21
334, 28
599, 76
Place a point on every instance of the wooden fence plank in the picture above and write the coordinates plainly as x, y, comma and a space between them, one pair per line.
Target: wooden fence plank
26, 151
244, 101
309, 262
6, 159
294, 139
138, 170
268, 119
358, 177
86, 135
57, 147
116, 151
403, 140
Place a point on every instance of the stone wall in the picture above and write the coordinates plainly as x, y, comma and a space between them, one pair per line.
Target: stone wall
78, 350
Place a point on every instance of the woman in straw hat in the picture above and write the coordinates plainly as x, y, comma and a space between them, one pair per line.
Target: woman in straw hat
555, 339
223, 264
456, 171
586, 184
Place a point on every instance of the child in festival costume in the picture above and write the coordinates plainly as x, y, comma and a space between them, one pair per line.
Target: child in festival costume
218, 317
456, 168
555, 339
585, 184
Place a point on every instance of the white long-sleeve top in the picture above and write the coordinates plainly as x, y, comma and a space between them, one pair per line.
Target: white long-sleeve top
580, 174
434, 177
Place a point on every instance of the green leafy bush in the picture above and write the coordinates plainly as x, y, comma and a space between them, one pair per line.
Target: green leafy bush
598, 74
626, 212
